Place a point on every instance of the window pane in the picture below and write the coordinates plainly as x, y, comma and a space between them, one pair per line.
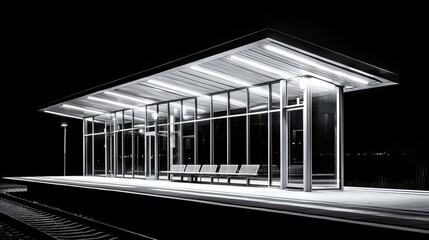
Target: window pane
220, 104
139, 117
238, 102
275, 150
204, 142
128, 152
88, 155
296, 147
258, 97
140, 145
219, 141
175, 143
203, 109
259, 142
175, 112
151, 115
188, 143
238, 140
275, 96
162, 114
188, 109
128, 115
324, 109
162, 149
294, 92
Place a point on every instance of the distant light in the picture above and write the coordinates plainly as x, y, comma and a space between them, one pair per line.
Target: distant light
111, 102
63, 124
221, 75
174, 88
82, 109
140, 100
261, 66
312, 63
155, 115
141, 131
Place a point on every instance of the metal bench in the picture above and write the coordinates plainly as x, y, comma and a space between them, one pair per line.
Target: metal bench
208, 171
247, 171
177, 169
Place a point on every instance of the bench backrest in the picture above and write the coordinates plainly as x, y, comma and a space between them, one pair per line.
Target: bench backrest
228, 168
208, 168
192, 168
178, 168
251, 168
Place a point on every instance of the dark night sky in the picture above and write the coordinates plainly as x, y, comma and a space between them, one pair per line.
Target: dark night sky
56, 51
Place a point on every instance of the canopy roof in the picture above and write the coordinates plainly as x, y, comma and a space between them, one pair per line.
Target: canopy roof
258, 58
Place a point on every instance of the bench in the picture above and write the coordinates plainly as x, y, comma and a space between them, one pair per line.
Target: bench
177, 169
230, 171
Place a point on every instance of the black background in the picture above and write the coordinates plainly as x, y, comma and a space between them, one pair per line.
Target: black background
52, 51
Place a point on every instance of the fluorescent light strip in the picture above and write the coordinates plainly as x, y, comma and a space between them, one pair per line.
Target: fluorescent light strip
145, 101
82, 109
174, 88
231, 101
111, 102
258, 107
312, 63
261, 66
62, 114
220, 75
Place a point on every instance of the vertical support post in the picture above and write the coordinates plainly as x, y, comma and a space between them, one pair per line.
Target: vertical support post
247, 126
340, 138
146, 154
228, 130
181, 154
307, 168
133, 147
156, 143
65, 147
269, 140
169, 158
115, 146
84, 147
195, 132
105, 149
211, 132
122, 145
283, 136
93, 146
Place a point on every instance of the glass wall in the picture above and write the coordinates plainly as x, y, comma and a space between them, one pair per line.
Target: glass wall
195, 131
324, 109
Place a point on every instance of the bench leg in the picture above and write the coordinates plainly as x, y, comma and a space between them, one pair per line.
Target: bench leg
211, 179
247, 181
168, 177
228, 180
181, 178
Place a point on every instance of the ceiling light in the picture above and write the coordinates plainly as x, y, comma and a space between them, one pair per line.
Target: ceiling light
174, 88
111, 102
309, 62
62, 114
82, 109
261, 66
145, 101
221, 75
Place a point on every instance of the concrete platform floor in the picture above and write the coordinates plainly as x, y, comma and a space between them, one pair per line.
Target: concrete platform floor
405, 210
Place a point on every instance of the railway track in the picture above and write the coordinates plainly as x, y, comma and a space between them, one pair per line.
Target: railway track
44, 222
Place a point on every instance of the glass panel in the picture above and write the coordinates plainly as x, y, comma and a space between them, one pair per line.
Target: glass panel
150, 146
119, 152
275, 96
295, 92
220, 104
88, 155
296, 147
219, 141
151, 115
324, 109
259, 143
188, 143
275, 150
128, 115
203, 109
238, 102
128, 152
175, 143
258, 97
188, 109
139, 117
238, 140
109, 146
140, 145
203, 142
162, 114
88, 125
98, 126
175, 112
99, 160
162, 149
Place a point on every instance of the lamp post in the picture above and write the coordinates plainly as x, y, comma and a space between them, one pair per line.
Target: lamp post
64, 125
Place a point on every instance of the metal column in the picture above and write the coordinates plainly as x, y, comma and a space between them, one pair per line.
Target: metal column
156, 143
195, 133
270, 178
132, 144
283, 136
228, 131
307, 166
105, 149
340, 137
122, 145
92, 146
247, 127
211, 132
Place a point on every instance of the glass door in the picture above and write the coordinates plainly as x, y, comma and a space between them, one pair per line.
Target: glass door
295, 148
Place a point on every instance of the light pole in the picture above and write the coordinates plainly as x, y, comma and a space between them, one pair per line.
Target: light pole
64, 125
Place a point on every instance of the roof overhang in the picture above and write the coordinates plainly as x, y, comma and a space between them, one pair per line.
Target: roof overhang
258, 58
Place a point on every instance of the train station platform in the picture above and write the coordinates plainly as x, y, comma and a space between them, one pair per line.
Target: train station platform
403, 210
